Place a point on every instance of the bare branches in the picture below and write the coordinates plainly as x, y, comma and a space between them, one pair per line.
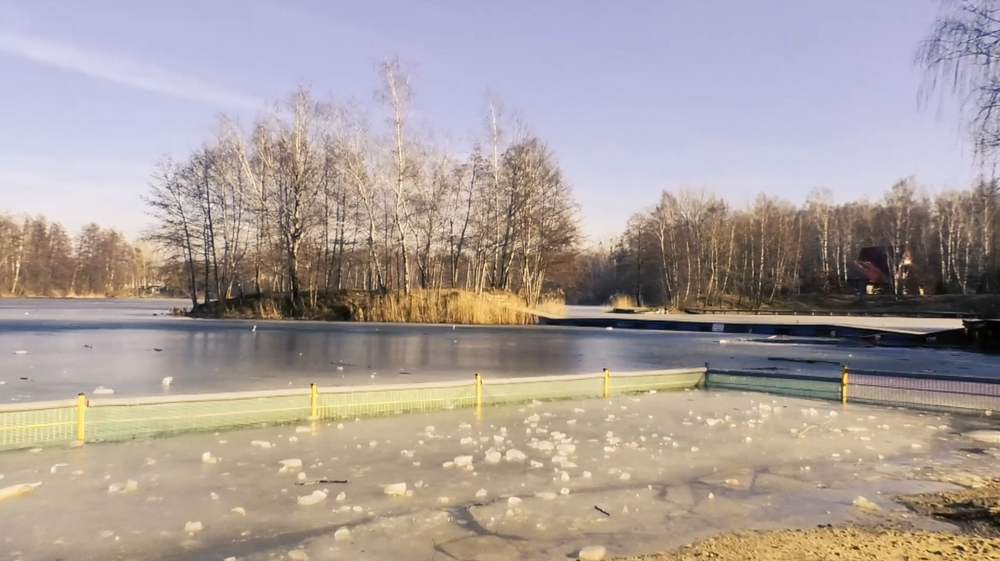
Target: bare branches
961, 57
311, 198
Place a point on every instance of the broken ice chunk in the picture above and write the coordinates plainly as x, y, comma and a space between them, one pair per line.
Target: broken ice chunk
314, 498
515, 455
395, 489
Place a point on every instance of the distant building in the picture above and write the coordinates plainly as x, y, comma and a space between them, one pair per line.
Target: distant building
874, 269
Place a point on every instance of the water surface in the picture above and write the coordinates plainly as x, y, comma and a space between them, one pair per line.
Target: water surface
73, 346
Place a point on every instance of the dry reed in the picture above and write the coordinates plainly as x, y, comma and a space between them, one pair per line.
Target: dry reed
622, 302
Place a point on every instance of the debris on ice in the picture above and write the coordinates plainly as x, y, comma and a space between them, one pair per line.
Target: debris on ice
865, 504
515, 455
514, 501
298, 555
303, 429
566, 448
467, 441
314, 498
239, 510
341, 496
395, 489
131, 486
342, 534
290, 464
261, 443
116, 488
592, 553
193, 527
101, 390
493, 457
481, 493
535, 464
208, 458
546, 495
463, 461
564, 491
625, 477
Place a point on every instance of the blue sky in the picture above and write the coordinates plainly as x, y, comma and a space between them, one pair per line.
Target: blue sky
635, 96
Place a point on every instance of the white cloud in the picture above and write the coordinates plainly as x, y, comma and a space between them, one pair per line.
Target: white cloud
121, 70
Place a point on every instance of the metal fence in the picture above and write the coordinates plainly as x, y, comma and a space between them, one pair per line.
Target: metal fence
115, 419
921, 391
933, 392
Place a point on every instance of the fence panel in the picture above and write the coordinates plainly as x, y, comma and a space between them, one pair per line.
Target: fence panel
37, 424
660, 380
123, 419
812, 387
542, 388
938, 392
345, 403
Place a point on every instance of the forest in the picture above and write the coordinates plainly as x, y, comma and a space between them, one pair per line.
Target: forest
39, 258
693, 249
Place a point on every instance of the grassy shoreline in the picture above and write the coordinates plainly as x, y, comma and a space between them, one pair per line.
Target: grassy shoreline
419, 306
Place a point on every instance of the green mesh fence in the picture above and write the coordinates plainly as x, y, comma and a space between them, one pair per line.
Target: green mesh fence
116, 419
813, 387
342, 403
664, 380
119, 419
37, 424
544, 388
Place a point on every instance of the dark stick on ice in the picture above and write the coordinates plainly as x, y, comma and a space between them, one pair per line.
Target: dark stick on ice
602, 511
323, 482
158, 350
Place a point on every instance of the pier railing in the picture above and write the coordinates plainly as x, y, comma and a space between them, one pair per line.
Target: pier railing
80, 420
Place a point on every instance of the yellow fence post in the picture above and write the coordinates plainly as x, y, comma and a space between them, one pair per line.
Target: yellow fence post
81, 417
313, 401
607, 383
843, 384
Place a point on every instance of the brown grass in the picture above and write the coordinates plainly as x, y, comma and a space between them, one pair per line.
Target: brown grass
622, 302
456, 307
553, 307
419, 306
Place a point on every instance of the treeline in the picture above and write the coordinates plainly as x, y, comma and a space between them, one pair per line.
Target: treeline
39, 258
693, 249
316, 196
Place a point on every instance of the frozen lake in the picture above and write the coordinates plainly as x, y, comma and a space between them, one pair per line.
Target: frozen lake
54, 349
536, 482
